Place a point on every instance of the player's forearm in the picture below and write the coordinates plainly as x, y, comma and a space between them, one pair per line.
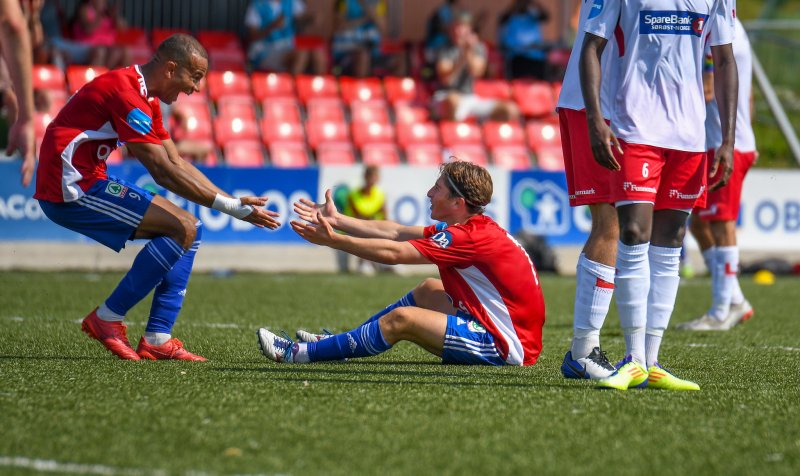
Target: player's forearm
591, 75
189, 168
726, 89
16, 52
378, 250
357, 227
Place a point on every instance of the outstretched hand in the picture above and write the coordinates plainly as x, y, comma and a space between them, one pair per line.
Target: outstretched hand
260, 217
319, 232
308, 210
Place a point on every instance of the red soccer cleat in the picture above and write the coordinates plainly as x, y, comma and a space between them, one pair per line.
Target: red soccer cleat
170, 350
111, 334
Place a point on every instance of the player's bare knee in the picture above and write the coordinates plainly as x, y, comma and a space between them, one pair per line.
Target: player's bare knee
396, 322
632, 233
186, 230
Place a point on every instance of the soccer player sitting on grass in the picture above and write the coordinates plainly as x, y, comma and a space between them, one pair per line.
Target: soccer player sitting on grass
487, 308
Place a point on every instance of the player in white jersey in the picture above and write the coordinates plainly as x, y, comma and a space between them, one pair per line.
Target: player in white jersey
589, 184
657, 124
714, 227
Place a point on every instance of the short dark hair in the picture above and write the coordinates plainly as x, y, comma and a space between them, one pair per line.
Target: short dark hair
470, 182
180, 48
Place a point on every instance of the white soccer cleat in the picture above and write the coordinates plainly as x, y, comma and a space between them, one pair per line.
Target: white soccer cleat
708, 323
274, 347
305, 336
594, 366
741, 312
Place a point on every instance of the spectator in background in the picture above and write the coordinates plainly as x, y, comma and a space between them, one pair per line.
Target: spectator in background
56, 48
358, 29
367, 203
458, 63
31, 9
272, 26
438, 27
96, 25
520, 38
18, 99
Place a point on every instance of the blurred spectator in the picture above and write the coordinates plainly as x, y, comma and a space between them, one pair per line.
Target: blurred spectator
96, 24
56, 48
521, 41
366, 203
31, 9
438, 27
458, 63
272, 26
358, 29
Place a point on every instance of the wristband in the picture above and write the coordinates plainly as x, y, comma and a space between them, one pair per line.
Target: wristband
231, 206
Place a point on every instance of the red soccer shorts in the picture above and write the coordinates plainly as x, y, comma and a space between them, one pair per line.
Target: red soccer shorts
587, 181
670, 179
723, 203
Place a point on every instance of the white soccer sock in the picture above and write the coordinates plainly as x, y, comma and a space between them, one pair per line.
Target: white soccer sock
156, 338
633, 283
737, 297
665, 277
709, 258
652, 342
595, 287
106, 314
301, 356
722, 286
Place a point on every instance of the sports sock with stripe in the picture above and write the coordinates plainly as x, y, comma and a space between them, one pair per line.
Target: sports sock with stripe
362, 341
595, 287
724, 281
407, 300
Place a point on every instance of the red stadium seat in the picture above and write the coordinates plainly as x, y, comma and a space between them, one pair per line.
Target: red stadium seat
132, 36
288, 155
535, 98
369, 111
503, 133
272, 132
225, 83
78, 75
417, 133
316, 87
40, 122
218, 40
140, 54
543, 134
228, 129
55, 99
424, 155
493, 88
237, 106
407, 112
266, 85
281, 109
372, 133
360, 89
380, 154
460, 133
550, 158
48, 76
197, 119
400, 89
325, 109
198, 128
474, 153
226, 60
244, 153
157, 35
326, 131
336, 153
309, 42
512, 157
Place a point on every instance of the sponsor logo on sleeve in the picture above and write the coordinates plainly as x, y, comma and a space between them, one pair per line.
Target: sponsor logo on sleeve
443, 239
668, 22
597, 8
139, 121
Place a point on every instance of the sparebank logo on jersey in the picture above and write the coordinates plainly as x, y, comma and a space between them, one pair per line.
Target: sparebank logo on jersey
542, 206
443, 239
669, 22
475, 326
115, 189
597, 8
139, 121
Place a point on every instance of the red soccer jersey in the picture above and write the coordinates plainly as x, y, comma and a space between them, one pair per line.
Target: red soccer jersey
111, 110
489, 275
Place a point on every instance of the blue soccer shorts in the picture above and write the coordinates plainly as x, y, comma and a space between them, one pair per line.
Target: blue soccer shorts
467, 342
109, 212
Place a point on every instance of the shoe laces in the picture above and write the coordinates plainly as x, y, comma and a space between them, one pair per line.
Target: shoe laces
599, 357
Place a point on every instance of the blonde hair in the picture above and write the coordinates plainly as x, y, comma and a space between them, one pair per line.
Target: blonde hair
470, 182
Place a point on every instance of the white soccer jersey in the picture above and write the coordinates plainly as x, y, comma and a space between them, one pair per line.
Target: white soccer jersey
745, 139
571, 96
659, 99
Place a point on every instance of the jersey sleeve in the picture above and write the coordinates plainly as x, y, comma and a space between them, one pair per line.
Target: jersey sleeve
450, 246
132, 118
722, 23
603, 18
158, 121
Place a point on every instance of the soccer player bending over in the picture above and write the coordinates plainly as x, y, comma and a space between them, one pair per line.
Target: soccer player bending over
74, 191
487, 308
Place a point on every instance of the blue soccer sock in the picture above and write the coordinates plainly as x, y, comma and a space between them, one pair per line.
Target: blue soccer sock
169, 294
148, 269
405, 301
362, 341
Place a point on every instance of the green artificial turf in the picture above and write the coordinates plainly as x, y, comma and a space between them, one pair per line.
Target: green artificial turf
67, 403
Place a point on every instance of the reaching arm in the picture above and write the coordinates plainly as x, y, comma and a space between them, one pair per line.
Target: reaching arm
182, 178
389, 230
600, 136
726, 87
378, 250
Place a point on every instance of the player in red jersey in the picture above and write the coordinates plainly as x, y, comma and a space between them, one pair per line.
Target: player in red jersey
487, 308
74, 191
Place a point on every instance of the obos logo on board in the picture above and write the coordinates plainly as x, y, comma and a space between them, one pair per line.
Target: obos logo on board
669, 22
542, 206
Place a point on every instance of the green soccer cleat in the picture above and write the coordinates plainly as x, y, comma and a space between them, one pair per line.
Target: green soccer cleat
629, 374
660, 378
